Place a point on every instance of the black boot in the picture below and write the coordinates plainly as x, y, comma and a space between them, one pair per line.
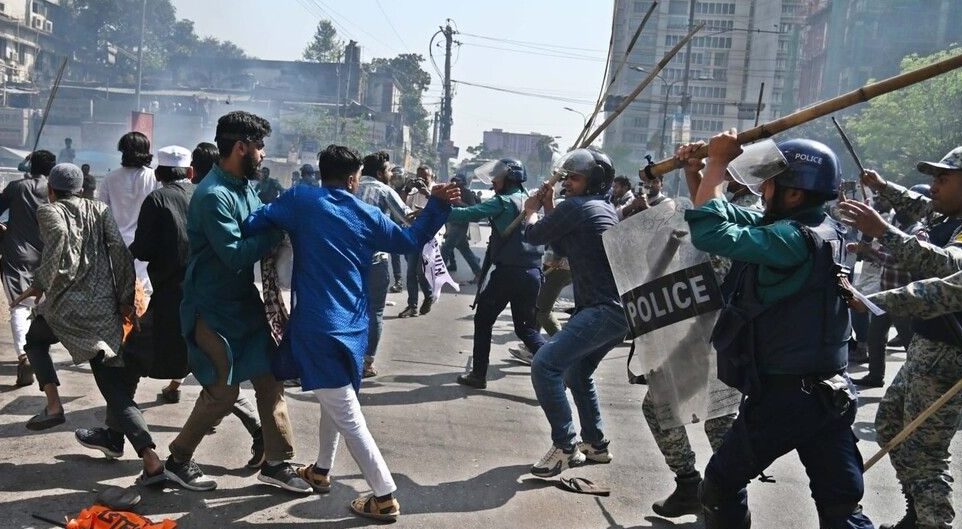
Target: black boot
683, 500
909, 520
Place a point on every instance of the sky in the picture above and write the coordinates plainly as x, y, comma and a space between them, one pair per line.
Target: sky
554, 48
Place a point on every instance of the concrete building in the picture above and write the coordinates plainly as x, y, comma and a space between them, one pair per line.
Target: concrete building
846, 43
743, 45
530, 148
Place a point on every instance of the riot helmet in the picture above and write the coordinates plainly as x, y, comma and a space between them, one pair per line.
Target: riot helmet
594, 165
801, 164
922, 189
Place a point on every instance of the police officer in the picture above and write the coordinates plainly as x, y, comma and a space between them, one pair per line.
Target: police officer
782, 335
517, 275
933, 356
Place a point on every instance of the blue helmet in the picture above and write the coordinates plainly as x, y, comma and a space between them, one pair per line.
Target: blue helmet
922, 189
514, 170
812, 166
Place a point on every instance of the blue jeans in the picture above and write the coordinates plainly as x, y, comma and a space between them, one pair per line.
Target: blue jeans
778, 419
378, 282
415, 277
396, 266
508, 284
569, 358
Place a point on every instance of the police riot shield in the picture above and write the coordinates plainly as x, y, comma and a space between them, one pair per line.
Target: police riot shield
671, 299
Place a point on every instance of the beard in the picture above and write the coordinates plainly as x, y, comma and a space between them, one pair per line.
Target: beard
250, 166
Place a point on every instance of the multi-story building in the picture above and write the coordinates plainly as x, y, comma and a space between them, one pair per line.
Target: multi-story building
849, 42
743, 45
531, 148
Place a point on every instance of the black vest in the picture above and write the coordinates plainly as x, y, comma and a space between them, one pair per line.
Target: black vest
937, 329
803, 334
512, 250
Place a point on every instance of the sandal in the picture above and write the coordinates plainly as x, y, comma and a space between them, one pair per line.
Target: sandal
43, 420
119, 498
370, 507
318, 481
583, 486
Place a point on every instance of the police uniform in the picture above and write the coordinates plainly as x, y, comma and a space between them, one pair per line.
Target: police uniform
517, 276
933, 364
782, 340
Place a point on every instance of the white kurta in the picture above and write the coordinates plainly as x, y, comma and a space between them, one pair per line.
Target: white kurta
124, 191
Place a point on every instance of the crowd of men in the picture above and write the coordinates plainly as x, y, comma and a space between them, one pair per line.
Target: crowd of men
187, 234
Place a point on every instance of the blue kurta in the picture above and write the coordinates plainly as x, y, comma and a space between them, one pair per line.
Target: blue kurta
334, 236
219, 282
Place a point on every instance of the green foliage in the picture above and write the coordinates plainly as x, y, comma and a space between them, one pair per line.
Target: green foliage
920, 122
324, 128
99, 23
413, 81
325, 46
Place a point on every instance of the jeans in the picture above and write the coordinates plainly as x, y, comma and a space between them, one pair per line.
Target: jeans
378, 282
777, 419
508, 285
555, 280
415, 278
456, 238
860, 325
570, 358
39, 339
396, 266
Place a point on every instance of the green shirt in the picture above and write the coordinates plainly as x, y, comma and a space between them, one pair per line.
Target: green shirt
779, 248
498, 208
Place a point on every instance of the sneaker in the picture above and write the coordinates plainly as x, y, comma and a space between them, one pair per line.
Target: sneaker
426, 306
597, 453
557, 460
170, 395
369, 507
285, 477
257, 451
24, 373
188, 475
522, 354
868, 381
472, 380
410, 312
292, 383
318, 481
107, 441
396, 287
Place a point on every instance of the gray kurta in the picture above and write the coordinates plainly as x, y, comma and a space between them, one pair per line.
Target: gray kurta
86, 273
21, 244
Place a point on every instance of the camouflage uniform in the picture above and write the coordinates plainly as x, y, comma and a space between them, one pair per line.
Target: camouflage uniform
931, 367
673, 442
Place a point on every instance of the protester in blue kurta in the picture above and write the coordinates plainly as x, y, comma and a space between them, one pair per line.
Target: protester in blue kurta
222, 315
334, 236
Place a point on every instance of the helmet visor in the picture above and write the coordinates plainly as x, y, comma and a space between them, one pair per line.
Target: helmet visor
757, 162
578, 161
488, 171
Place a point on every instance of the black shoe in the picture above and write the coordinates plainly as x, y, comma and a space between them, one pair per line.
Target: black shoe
410, 312
285, 477
188, 475
908, 521
897, 342
471, 380
868, 381
426, 306
683, 500
24, 373
109, 442
257, 451
170, 395
396, 287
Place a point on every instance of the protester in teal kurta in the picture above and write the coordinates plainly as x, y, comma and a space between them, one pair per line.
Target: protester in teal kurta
222, 315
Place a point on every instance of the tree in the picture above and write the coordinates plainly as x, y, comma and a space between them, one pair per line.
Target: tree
324, 128
921, 122
325, 47
413, 82
546, 149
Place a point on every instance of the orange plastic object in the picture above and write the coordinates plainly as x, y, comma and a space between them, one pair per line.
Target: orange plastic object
100, 517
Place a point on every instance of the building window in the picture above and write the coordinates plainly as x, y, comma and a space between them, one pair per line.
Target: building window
677, 7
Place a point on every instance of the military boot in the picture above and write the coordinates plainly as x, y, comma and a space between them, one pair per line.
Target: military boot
683, 500
909, 520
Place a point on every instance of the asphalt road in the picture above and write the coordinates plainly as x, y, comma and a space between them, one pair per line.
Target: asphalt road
460, 456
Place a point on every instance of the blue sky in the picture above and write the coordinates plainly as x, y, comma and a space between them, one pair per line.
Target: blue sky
551, 47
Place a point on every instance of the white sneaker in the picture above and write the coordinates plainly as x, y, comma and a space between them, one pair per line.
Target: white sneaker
556, 461
595, 454
521, 354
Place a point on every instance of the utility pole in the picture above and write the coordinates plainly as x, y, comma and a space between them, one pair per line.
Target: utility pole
685, 94
140, 52
444, 142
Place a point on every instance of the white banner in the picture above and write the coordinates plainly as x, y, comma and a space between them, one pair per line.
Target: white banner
671, 300
435, 270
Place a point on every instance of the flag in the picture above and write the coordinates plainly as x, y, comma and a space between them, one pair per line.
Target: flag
435, 270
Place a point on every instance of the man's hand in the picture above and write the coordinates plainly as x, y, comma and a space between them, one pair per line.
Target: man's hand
860, 249
547, 195
691, 164
724, 147
863, 218
872, 180
448, 193
31, 292
130, 314
532, 204
847, 292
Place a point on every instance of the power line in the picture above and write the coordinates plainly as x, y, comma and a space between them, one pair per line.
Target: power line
530, 43
389, 23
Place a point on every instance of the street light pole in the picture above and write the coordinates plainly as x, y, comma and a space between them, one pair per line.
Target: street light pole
140, 53
584, 117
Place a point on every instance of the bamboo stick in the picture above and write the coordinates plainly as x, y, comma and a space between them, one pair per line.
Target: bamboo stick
824, 108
